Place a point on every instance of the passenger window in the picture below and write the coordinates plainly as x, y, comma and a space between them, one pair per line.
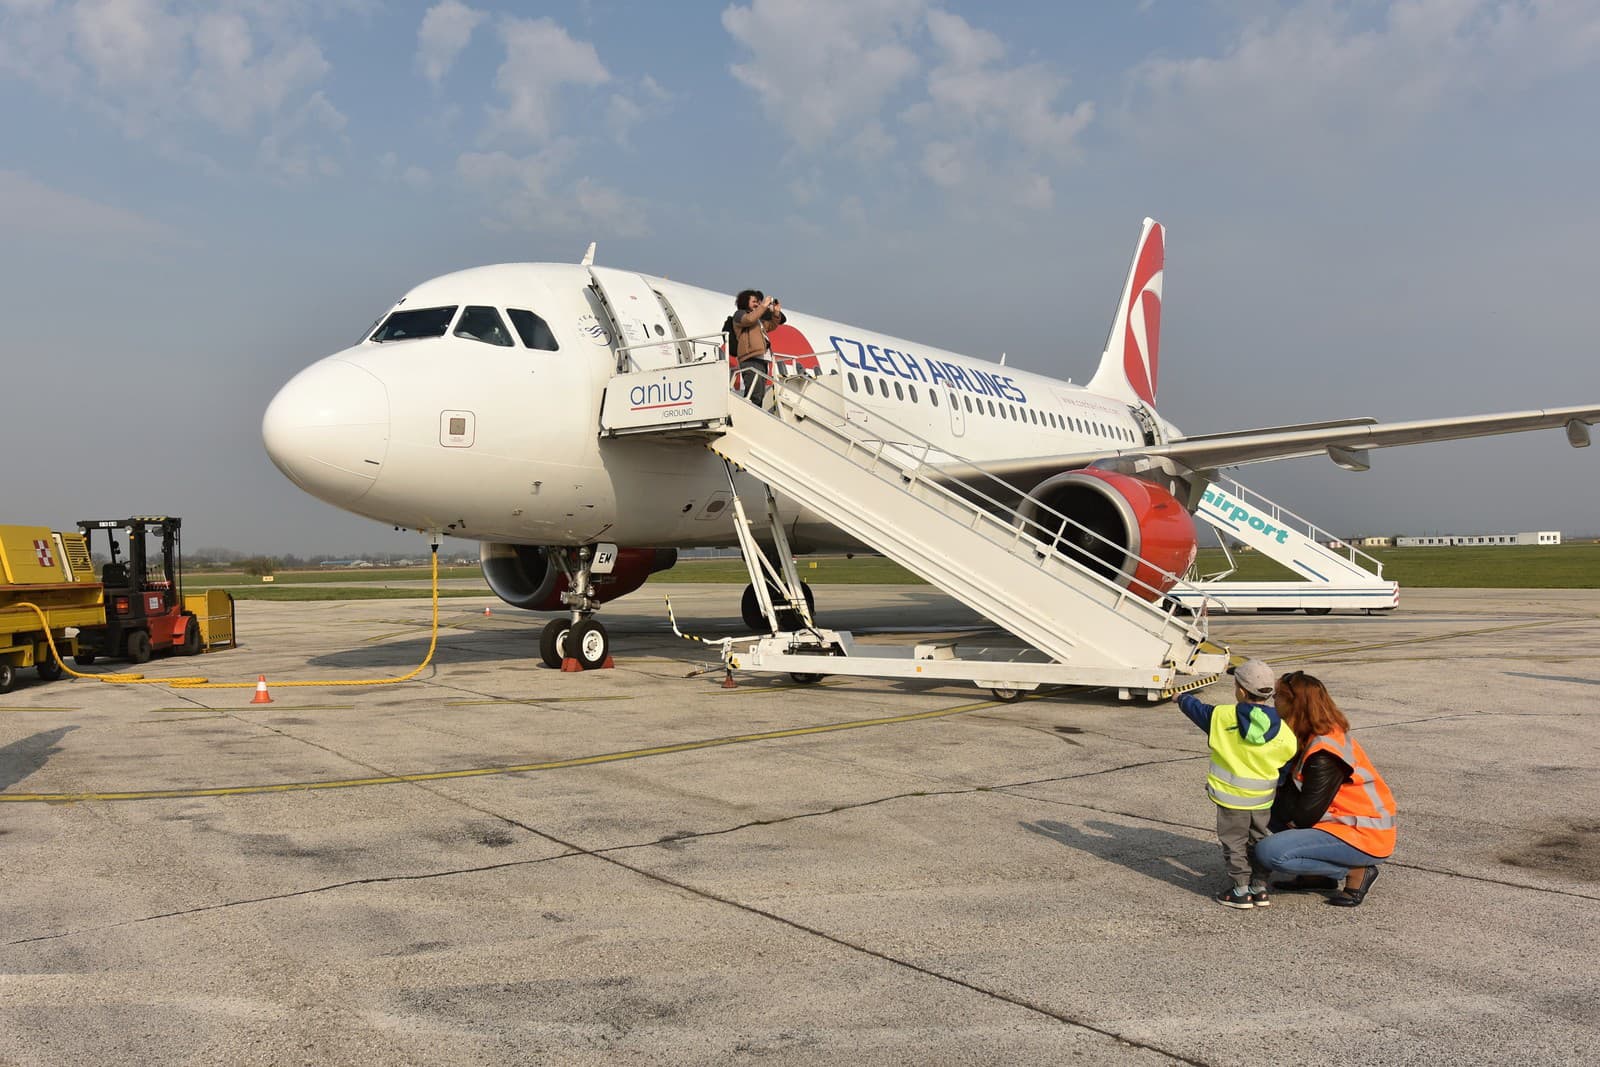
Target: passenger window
913, 391
533, 330
933, 398
418, 322
851, 378
866, 383
967, 400
992, 411
899, 393
483, 324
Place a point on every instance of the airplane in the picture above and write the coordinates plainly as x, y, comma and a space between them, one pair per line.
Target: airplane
471, 408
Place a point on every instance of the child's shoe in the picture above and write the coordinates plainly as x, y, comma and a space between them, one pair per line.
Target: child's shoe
1235, 897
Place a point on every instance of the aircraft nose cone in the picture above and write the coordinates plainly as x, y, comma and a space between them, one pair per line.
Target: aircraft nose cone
328, 430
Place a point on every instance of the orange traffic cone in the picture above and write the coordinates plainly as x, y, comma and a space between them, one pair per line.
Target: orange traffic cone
262, 696
486, 611
727, 679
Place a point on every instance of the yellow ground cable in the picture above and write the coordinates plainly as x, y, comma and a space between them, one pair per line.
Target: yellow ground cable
201, 683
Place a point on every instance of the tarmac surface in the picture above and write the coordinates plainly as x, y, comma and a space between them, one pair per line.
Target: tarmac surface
499, 862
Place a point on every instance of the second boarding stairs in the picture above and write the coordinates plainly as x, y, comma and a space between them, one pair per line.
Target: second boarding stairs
1328, 574
964, 536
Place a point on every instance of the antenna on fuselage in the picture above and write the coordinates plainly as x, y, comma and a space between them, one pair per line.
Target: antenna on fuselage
1002, 359
588, 257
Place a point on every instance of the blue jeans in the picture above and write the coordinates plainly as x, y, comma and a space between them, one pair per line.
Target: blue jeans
1311, 852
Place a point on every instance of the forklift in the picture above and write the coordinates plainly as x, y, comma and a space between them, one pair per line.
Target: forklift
144, 611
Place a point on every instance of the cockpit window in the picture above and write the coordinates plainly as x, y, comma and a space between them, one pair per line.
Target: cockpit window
483, 324
533, 330
417, 322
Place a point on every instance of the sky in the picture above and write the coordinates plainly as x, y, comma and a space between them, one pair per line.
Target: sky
1385, 210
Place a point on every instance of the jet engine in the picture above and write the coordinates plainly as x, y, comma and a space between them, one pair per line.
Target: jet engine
1145, 530
526, 576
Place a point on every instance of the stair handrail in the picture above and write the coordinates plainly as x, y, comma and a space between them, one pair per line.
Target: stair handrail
913, 469
1313, 531
712, 341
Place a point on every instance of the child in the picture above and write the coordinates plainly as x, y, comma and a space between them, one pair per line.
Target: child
1249, 746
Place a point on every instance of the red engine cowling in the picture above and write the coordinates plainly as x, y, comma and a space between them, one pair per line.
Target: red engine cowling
1146, 531
525, 576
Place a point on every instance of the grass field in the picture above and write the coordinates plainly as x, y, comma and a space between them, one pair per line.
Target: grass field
1572, 566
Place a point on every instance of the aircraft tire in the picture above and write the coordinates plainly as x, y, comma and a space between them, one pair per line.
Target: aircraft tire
553, 641
138, 647
589, 644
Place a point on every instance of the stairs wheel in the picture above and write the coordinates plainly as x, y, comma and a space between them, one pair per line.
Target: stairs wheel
1319, 611
1006, 696
802, 678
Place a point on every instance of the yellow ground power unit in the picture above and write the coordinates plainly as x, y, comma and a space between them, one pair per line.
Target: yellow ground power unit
52, 570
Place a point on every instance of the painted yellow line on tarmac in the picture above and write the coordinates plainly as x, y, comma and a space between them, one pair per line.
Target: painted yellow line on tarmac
24, 711
482, 772
531, 700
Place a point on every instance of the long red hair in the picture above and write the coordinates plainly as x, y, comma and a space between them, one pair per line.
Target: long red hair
1304, 704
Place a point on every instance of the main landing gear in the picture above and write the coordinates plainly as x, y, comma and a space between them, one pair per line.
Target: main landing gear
581, 638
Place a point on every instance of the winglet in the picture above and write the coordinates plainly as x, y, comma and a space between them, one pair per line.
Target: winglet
588, 257
1130, 366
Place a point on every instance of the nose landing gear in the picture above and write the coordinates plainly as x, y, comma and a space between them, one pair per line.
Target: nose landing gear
581, 639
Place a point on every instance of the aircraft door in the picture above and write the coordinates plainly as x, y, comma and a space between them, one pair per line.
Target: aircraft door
958, 417
639, 316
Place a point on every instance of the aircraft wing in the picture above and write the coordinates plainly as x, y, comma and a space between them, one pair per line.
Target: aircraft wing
1346, 442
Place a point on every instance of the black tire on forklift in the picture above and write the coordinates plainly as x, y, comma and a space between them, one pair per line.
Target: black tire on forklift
192, 645
553, 641
138, 647
49, 670
8, 677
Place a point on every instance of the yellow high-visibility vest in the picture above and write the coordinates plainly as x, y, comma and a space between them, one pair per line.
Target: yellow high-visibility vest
1244, 776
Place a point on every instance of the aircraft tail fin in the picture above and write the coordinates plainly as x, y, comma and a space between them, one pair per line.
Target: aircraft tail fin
1130, 364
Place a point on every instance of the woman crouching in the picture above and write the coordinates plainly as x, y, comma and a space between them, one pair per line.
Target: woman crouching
1334, 816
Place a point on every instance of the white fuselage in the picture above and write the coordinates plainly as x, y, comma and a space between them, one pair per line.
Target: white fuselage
500, 443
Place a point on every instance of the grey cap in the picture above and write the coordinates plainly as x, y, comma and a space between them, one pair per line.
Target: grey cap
1255, 678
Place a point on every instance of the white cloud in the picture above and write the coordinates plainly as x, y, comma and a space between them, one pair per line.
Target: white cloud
524, 194
541, 58
1319, 80
969, 87
171, 73
445, 31
29, 207
823, 66
625, 110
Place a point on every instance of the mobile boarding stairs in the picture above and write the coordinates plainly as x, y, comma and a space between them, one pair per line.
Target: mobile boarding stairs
883, 486
1330, 575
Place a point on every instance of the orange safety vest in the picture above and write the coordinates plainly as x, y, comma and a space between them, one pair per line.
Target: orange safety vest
1362, 812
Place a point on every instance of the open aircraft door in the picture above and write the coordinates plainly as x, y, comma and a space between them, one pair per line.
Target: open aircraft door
646, 329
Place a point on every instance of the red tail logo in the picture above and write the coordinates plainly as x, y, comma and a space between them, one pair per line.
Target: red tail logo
1141, 338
